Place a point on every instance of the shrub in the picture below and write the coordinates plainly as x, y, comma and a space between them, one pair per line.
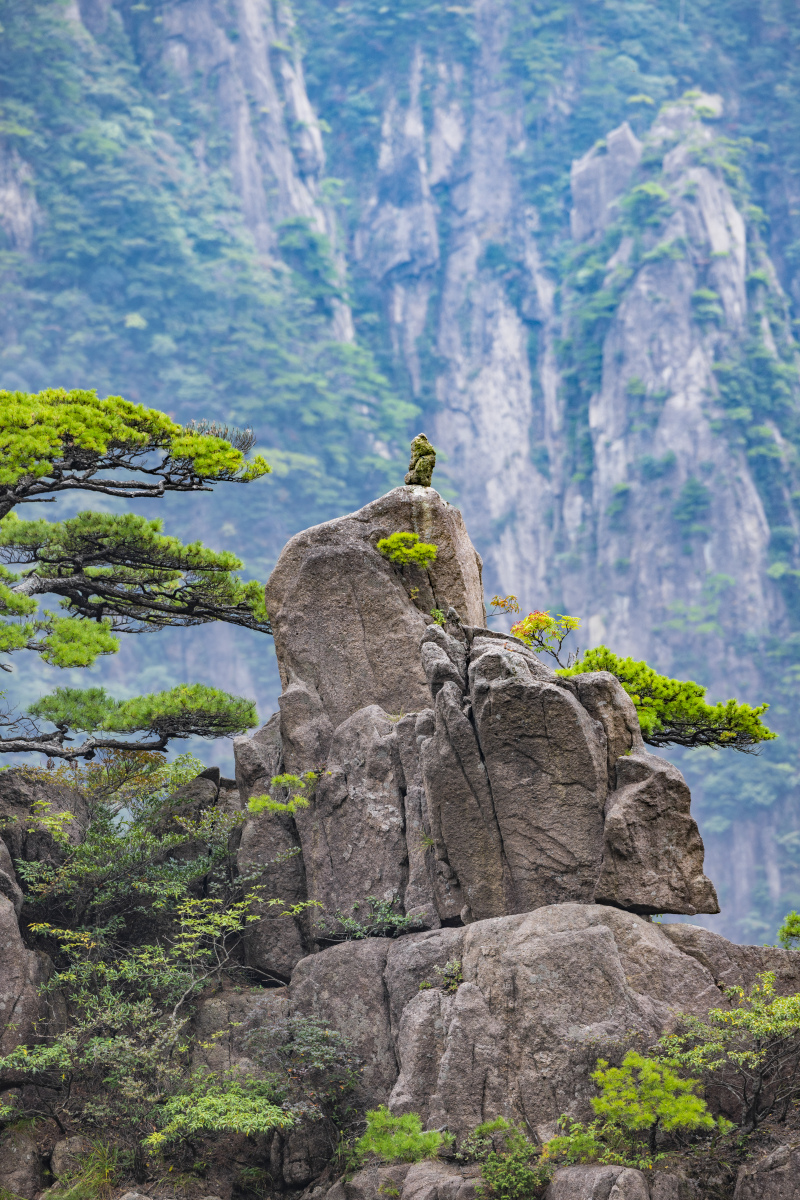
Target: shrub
237, 1106
317, 1064
750, 1052
399, 1139
259, 804
644, 1095
789, 932
542, 632
517, 1171
380, 920
407, 548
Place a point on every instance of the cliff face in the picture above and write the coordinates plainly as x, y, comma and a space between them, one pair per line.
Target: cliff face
513, 215
616, 401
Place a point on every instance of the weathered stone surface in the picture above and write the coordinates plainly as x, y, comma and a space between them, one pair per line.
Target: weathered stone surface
305, 1152
599, 178
420, 900
353, 835
460, 806
606, 701
20, 1164
8, 880
541, 993
775, 1177
22, 973
652, 849
731, 964
598, 1183
344, 985
25, 836
65, 1156
411, 961
328, 671
223, 1022
427, 1180
269, 849
546, 764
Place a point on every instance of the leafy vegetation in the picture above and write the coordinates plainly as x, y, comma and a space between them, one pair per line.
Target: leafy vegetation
405, 548
542, 632
517, 1171
750, 1051
673, 711
142, 918
399, 1139
381, 919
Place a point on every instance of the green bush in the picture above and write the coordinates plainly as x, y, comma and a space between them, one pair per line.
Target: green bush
643, 1096
407, 548
399, 1139
749, 1051
236, 1106
517, 1171
674, 711
789, 932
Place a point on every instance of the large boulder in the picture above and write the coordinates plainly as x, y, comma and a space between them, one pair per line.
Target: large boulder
23, 973
543, 994
598, 1183
776, 1176
652, 849
20, 1165
457, 775
24, 834
269, 853
348, 623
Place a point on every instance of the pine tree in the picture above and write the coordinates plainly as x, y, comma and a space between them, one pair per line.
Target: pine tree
114, 573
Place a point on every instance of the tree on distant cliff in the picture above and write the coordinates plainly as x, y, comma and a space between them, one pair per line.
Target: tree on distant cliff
114, 573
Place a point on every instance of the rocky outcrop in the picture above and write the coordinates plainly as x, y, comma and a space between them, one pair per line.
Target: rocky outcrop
23, 973
776, 1176
348, 624
457, 776
599, 178
598, 1183
25, 836
21, 1172
543, 994
652, 850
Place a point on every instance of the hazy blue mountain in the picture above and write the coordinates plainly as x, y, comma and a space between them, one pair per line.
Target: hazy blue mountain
564, 239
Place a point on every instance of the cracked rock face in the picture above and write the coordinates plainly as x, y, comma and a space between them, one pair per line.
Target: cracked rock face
459, 778
348, 624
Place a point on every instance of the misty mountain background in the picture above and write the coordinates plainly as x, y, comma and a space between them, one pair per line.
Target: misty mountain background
561, 238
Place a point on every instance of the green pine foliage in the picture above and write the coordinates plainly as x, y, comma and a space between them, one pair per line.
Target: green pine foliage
58, 441
674, 711
642, 1095
789, 931
399, 1139
184, 711
405, 548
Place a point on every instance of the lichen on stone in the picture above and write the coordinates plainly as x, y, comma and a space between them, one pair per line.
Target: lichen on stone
423, 460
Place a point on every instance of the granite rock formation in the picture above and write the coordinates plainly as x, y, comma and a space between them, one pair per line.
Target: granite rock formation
458, 776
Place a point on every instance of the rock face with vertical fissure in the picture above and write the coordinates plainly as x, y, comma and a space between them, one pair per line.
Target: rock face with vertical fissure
458, 777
